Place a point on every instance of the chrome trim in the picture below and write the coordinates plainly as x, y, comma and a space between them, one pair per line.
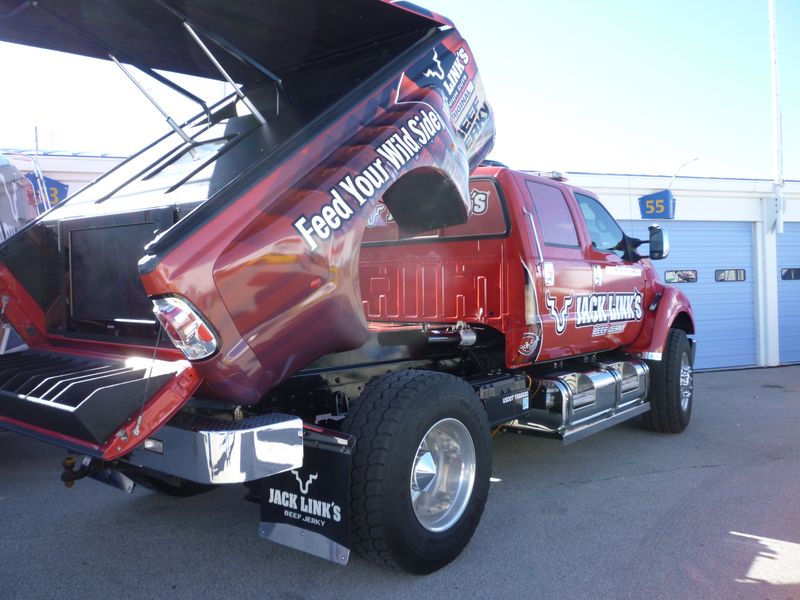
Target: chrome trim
442, 475
665, 235
532, 220
578, 433
225, 451
647, 355
612, 404
686, 382
305, 541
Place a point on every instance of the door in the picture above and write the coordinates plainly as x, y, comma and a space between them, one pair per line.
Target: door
614, 311
566, 273
789, 293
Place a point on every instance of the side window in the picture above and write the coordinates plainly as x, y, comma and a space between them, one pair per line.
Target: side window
558, 228
486, 218
603, 229
729, 275
790, 274
683, 276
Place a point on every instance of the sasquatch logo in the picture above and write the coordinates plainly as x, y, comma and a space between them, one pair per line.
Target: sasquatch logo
559, 316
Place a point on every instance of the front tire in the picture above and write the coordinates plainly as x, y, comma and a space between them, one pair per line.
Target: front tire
671, 386
421, 469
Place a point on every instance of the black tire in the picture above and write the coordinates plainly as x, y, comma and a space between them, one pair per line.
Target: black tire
668, 414
172, 486
389, 420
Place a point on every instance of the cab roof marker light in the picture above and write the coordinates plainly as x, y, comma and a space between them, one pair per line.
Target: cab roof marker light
185, 327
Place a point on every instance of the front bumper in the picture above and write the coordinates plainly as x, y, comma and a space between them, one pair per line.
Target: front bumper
214, 451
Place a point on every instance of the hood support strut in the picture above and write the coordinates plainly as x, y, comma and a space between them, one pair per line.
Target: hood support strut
224, 73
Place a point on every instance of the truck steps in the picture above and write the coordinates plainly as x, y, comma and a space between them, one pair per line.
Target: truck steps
571, 404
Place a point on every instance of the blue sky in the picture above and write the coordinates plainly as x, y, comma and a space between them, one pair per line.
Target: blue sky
618, 86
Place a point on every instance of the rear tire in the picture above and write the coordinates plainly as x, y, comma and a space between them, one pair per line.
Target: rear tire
421, 469
671, 386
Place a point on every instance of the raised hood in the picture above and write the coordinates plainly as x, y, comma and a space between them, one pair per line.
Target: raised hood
279, 35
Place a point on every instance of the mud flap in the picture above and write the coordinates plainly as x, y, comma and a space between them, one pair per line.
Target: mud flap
308, 509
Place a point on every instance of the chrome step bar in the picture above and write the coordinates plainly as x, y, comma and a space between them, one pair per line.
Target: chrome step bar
573, 404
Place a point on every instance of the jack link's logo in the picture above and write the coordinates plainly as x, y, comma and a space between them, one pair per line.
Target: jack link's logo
304, 486
439, 73
559, 316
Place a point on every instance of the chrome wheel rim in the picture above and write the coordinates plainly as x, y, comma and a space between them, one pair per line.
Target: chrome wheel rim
443, 475
686, 383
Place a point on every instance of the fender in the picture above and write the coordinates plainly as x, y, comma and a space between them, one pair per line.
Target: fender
669, 307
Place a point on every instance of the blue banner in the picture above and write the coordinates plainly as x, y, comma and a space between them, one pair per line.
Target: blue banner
56, 191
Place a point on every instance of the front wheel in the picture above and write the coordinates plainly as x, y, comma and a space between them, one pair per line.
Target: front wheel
421, 469
671, 386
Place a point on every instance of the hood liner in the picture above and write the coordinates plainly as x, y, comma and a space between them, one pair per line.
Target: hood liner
279, 35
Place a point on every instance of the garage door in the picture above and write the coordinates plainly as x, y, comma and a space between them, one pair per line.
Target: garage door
789, 293
720, 256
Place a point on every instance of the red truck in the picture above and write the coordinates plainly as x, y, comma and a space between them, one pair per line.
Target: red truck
302, 290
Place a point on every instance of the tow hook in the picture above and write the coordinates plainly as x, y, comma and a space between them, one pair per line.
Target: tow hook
99, 470
71, 474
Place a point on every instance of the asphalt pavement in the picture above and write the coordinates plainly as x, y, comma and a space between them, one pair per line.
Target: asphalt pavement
710, 513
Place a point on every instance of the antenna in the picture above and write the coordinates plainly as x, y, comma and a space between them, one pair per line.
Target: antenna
671, 181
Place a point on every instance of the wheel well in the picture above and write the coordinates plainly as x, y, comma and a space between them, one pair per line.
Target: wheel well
683, 321
424, 199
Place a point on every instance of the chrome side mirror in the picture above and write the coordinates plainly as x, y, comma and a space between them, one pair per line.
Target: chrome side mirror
659, 243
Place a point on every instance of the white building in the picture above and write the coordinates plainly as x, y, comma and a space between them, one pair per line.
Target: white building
74, 170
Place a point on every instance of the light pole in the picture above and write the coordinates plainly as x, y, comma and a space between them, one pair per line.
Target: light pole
777, 136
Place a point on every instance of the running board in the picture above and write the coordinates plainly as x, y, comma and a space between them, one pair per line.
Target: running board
573, 403
573, 434
577, 432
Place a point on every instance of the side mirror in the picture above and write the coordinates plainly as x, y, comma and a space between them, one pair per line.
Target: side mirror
659, 243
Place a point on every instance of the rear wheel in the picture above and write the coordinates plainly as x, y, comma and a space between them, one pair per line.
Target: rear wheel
671, 386
421, 469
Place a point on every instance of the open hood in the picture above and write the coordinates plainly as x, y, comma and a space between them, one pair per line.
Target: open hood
278, 35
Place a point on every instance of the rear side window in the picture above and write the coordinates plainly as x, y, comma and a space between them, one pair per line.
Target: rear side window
486, 219
555, 220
